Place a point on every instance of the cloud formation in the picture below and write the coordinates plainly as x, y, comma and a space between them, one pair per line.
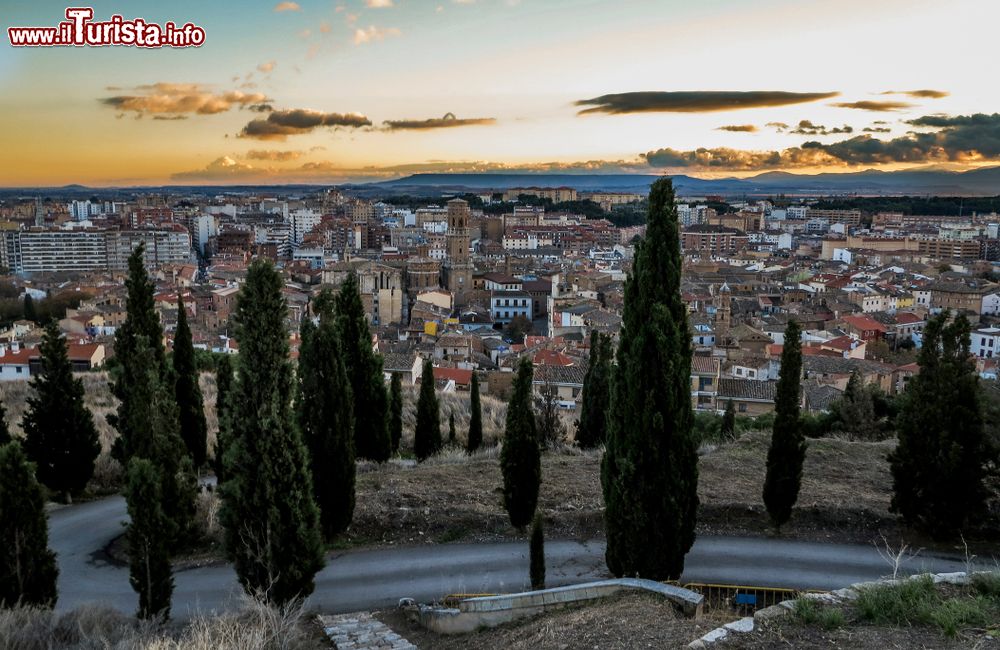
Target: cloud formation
448, 121
693, 101
869, 105
378, 4
287, 6
178, 99
372, 33
919, 94
963, 138
738, 128
270, 154
266, 67
806, 127
280, 124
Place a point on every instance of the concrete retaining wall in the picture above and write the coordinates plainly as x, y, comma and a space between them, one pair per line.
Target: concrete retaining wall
490, 611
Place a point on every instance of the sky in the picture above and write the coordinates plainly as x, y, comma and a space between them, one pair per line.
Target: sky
327, 91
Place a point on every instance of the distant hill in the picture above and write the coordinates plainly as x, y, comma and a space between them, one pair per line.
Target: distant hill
978, 182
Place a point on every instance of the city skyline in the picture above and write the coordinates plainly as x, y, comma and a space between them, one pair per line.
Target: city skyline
327, 92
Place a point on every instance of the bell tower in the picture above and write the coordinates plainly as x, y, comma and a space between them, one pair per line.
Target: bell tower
458, 266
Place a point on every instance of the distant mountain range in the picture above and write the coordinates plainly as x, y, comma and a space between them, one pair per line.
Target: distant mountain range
977, 182
984, 181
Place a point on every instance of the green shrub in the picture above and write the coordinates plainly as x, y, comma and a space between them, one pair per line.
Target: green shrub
918, 602
806, 610
830, 618
987, 584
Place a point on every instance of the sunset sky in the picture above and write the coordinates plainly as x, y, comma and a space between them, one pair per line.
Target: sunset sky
325, 91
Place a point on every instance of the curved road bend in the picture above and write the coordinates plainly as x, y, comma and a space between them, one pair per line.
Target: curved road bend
368, 579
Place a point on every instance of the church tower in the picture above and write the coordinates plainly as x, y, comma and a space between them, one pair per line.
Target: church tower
458, 267
723, 314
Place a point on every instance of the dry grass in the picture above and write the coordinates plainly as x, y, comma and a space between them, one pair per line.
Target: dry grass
108, 472
253, 626
494, 414
845, 495
630, 620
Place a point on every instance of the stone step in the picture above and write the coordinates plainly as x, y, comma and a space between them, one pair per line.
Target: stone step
361, 631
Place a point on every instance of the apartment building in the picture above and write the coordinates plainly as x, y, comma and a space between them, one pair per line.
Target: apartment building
81, 250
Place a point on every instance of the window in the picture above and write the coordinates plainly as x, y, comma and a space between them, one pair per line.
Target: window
743, 408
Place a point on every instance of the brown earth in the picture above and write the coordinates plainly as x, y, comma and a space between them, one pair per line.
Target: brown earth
625, 622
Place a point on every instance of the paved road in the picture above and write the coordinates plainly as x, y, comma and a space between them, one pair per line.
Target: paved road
357, 580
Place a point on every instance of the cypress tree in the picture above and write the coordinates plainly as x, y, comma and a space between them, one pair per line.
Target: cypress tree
940, 466
364, 368
520, 458
536, 552
728, 428
141, 329
59, 432
147, 535
324, 409
28, 569
30, 313
273, 535
451, 427
427, 434
475, 438
223, 394
155, 436
5, 436
396, 411
856, 409
190, 403
592, 427
649, 472
788, 445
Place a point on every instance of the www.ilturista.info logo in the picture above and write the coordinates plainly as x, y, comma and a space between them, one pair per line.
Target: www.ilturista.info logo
80, 30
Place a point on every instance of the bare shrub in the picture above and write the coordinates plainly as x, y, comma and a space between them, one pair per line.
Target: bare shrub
895, 557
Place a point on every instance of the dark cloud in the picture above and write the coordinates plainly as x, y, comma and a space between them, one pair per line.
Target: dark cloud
281, 124
261, 108
170, 117
739, 128
448, 121
161, 98
877, 129
806, 127
723, 158
964, 138
869, 105
780, 127
693, 101
921, 94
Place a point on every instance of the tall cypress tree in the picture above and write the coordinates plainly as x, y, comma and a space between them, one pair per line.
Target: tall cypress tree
147, 535
788, 445
141, 329
5, 436
475, 438
940, 466
223, 395
59, 432
520, 457
28, 569
427, 433
364, 368
536, 553
324, 409
728, 428
649, 472
190, 403
396, 411
592, 427
271, 520
30, 313
451, 428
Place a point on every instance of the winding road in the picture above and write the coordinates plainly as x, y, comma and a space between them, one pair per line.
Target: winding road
368, 579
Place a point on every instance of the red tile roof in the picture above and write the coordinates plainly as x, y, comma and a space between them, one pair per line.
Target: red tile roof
461, 377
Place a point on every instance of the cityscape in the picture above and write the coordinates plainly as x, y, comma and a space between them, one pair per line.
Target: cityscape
628, 349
